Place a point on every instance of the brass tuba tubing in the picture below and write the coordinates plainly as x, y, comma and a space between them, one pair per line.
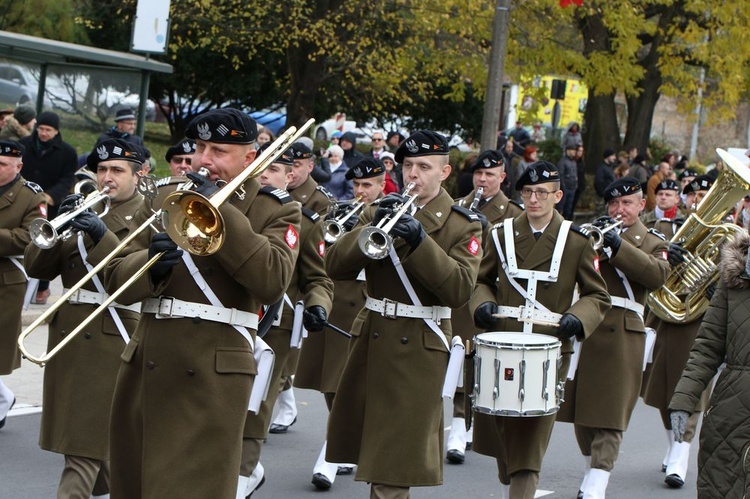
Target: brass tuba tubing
375, 241
45, 233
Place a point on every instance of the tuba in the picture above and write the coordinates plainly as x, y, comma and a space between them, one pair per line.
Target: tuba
682, 298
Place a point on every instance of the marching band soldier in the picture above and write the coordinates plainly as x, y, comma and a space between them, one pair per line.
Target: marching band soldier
556, 256
184, 384
20, 203
667, 210
180, 157
600, 398
387, 414
79, 381
324, 354
309, 284
671, 352
313, 197
488, 172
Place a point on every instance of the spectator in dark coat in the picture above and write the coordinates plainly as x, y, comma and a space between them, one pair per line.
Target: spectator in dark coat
605, 175
568, 169
124, 128
348, 143
521, 138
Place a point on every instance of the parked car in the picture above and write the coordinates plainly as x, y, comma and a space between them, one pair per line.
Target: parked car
17, 85
338, 122
273, 120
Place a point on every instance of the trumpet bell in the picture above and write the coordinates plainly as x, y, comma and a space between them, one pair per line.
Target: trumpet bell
43, 233
193, 222
332, 231
375, 242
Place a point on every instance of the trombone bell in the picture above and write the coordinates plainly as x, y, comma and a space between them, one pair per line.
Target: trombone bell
193, 222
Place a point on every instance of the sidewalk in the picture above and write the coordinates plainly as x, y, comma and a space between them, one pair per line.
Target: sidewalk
26, 382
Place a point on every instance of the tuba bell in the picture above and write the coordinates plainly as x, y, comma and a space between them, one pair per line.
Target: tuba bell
682, 298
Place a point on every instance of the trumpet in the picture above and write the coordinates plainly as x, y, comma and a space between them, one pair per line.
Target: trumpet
597, 233
45, 233
334, 228
375, 240
214, 231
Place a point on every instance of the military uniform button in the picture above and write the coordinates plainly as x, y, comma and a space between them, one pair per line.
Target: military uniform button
375, 335
546, 285
151, 364
196, 320
87, 336
190, 372
404, 340
611, 330
62, 333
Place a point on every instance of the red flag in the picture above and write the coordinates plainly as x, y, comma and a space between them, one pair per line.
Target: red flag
565, 3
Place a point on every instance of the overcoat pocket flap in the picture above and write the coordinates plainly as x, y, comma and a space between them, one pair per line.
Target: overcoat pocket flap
235, 361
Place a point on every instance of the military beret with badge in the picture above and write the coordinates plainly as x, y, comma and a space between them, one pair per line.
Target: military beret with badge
699, 183
182, 148
301, 151
366, 168
11, 148
223, 126
422, 143
488, 159
539, 172
687, 172
114, 149
624, 186
667, 185
285, 158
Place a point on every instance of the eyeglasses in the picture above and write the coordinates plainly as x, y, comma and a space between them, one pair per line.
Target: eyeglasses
179, 161
377, 140
540, 195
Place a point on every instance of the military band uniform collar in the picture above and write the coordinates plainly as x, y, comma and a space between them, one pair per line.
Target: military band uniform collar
304, 192
434, 214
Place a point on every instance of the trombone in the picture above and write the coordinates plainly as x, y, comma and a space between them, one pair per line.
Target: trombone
375, 240
205, 207
45, 233
597, 233
334, 228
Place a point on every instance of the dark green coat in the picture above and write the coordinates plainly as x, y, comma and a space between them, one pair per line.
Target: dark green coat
387, 416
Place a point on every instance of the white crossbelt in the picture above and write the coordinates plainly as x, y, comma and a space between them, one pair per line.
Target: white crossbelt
535, 314
627, 303
392, 309
168, 307
85, 297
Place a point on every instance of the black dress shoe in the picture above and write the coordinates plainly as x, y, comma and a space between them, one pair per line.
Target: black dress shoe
262, 481
468, 445
321, 482
674, 481
280, 428
455, 456
2, 421
345, 470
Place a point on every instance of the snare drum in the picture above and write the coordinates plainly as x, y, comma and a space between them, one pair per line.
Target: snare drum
515, 374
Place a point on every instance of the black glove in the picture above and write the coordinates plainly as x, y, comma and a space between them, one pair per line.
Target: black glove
338, 210
202, 184
483, 315
91, 224
603, 222
386, 206
314, 318
482, 218
612, 240
172, 256
350, 222
676, 254
570, 326
410, 229
69, 203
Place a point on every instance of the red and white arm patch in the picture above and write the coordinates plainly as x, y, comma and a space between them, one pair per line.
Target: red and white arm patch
322, 249
43, 209
596, 263
664, 255
473, 246
291, 237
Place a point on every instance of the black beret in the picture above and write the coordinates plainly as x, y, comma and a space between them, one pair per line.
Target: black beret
624, 186
286, 157
608, 153
223, 126
422, 143
366, 168
394, 133
688, 172
488, 159
182, 148
11, 148
114, 149
699, 183
301, 151
667, 184
539, 172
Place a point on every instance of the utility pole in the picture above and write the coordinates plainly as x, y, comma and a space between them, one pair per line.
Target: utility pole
493, 97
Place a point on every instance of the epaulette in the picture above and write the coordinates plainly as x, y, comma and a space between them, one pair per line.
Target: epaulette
170, 180
326, 192
279, 194
310, 214
657, 234
578, 230
458, 201
473, 217
34, 187
517, 204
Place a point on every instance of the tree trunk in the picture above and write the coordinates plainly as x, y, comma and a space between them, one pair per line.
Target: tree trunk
305, 78
641, 111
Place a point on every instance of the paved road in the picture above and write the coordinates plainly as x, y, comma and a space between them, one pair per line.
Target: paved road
27, 472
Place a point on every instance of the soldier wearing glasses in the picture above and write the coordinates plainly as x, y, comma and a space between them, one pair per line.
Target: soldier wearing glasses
180, 157
519, 444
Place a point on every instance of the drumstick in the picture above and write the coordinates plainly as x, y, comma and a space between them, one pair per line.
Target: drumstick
332, 327
532, 321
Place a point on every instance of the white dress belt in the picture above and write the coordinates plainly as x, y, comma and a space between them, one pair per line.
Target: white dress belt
534, 315
392, 309
85, 297
627, 303
167, 307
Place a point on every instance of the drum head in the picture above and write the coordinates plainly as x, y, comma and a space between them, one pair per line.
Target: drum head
511, 338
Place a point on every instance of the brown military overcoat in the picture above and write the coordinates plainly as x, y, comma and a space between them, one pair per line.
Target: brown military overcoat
183, 387
387, 416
